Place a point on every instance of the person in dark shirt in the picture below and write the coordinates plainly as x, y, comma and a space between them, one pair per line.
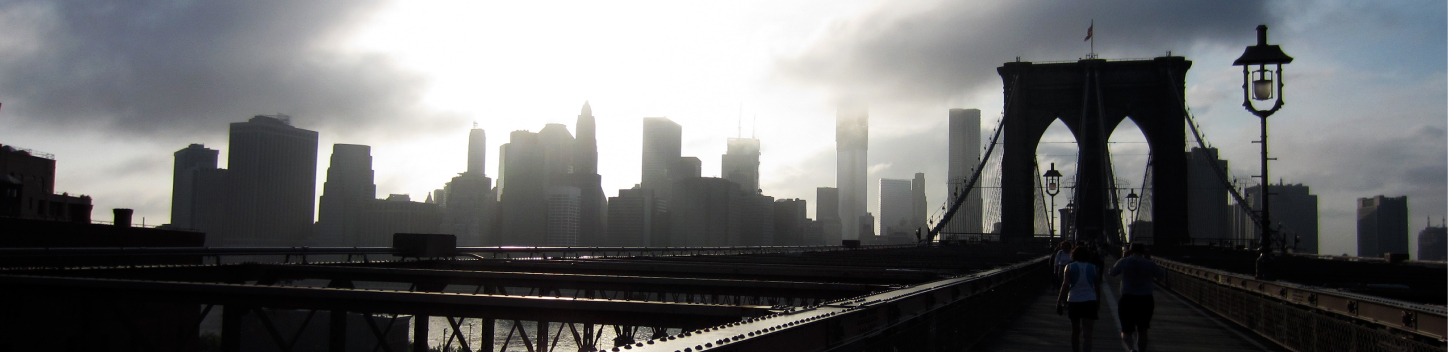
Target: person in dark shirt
1135, 307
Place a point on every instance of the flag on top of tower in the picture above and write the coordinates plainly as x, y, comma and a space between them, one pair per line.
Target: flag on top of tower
1089, 30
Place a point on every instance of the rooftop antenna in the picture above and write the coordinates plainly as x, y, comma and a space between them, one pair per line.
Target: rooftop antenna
754, 126
739, 121
475, 125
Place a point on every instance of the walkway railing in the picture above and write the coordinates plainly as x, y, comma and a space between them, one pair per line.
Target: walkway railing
1306, 318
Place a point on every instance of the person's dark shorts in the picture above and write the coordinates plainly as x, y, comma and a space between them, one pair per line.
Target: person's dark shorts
1135, 311
1082, 310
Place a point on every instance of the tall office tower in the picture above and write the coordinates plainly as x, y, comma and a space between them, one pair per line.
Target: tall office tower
468, 200
661, 153
562, 192
562, 221
1383, 225
632, 218
791, 223
964, 153
397, 214
1432, 243
522, 180
896, 208
593, 205
741, 163
918, 203
827, 212
190, 163
273, 179
477, 150
345, 196
852, 136
1295, 215
1208, 218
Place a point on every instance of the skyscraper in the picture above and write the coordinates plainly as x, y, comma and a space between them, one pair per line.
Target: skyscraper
1295, 215
191, 162
521, 210
561, 227
964, 153
468, 200
852, 136
896, 207
741, 163
477, 150
345, 195
662, 139
593, 213
1383, 225
272, 184
1432, 243
918, 203
1207, 195
827, 212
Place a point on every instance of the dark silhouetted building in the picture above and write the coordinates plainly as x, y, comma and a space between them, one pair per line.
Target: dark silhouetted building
827, 212
662, 139
896, 207
1295, 215
397, 214
852, 137
272, 180
468, 200
963, 151
27, 189
1383, 225
918, 203
741, 163
705, 211
792, 226
1208, 211
191, 165
346, 193
635, 219
1432, 244
522, 180
593, 205
756, 219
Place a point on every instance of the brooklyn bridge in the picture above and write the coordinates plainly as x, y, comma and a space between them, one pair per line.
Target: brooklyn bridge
947, 292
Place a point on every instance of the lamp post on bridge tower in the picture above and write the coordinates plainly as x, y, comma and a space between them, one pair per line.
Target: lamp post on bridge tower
1053, 187
1260, 85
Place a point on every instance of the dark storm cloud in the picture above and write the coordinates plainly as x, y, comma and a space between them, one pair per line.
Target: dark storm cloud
949, 47
142, 67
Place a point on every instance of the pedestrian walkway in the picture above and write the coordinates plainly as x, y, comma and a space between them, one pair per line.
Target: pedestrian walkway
1177, 325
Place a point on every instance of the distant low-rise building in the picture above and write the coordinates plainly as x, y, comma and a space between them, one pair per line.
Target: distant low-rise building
27, 189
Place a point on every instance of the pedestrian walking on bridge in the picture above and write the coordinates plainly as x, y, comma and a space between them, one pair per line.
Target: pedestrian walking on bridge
1135, 308
1081, 285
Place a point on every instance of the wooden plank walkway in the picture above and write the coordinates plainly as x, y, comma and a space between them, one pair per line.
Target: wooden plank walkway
1177, 325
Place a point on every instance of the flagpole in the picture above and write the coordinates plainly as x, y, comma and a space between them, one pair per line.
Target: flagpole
1094, 39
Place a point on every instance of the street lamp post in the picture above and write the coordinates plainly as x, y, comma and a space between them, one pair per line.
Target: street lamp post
1132, 203
1053, 187
1259, 85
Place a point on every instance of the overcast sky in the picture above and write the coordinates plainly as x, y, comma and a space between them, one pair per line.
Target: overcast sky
113, 89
